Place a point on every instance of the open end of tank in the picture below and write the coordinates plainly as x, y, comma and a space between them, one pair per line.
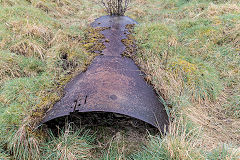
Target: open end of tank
95, 119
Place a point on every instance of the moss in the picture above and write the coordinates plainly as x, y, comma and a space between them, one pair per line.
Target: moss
94, 40
129, 42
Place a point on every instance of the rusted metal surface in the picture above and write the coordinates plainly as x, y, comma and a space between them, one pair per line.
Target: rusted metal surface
115, 34
112, 83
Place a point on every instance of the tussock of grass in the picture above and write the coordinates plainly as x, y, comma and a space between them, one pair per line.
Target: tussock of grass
13, 66
179, 143
28, 30
122, 145
24, 144
116, 149
220, 9
68, 145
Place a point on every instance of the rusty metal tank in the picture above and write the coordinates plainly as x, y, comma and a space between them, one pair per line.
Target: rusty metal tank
112, 82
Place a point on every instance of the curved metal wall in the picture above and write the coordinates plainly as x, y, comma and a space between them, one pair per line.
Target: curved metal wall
112, 83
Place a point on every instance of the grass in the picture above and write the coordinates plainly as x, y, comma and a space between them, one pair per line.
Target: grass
179, 143
70, 144
189, 50
186, 54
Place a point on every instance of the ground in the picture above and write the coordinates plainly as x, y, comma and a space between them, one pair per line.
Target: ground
189, 50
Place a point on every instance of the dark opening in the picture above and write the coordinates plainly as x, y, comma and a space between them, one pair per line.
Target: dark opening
94, 120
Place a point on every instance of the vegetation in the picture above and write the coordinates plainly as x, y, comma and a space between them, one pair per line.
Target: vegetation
189, 50
115, 7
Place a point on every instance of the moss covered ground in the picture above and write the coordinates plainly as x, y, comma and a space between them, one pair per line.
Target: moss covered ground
189, 50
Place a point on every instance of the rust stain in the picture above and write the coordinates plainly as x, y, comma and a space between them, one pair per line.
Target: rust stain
112, 83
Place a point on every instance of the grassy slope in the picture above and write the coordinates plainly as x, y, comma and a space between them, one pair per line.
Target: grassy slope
189, 50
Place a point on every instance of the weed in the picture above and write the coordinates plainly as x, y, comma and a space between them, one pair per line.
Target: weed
115, 7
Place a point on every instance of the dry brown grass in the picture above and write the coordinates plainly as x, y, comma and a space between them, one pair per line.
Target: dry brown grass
209, 116
25, 144
7, 71
216, 130
14, 66
74, 152
74, 12
220, 9
30, 40
28, 48
69, 144
169, 85
166, 83
181, 143
217, 127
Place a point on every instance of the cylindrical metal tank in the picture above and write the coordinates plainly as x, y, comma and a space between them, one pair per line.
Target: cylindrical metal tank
112, 82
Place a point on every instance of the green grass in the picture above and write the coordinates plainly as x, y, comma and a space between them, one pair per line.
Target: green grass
223, 152
32, 44
189, 50
70, 144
